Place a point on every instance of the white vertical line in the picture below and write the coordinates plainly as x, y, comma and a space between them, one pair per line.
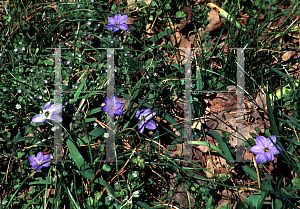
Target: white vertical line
187, 106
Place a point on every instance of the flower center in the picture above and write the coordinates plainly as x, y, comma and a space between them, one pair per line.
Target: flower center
117, 23
112, 107
266, 149
47, 113
39, 163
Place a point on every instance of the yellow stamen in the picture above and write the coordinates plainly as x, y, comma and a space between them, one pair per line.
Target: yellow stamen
266, 149
47, 113
117, 23
39, 163
112, 107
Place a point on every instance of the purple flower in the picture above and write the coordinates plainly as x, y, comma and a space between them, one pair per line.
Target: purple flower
116, 22
37, 161
112, 106
146, 119
264, 149
49, 112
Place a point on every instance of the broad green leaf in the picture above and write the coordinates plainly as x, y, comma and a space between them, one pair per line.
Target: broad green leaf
222, 144
251, 172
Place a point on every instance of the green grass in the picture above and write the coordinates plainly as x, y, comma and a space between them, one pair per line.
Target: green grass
149, 73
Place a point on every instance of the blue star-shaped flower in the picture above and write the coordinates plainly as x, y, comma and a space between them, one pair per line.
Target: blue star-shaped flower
264, 149
112, 106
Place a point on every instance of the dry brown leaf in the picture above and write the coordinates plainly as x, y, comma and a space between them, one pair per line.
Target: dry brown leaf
217, 168
216, 22
287, 55
175, 38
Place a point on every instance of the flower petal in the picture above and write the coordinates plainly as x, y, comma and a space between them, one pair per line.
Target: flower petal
38, 167
118, 16
57, 118
40, 157
269, 156
149, 117
47, 157
47, 106
119, 112
112, 20
115, 29
46, 165
123, 19
257, 149
119, 105
40, 118
141, 127
146, 111
110, 102
274, 150
109, 27
260, 140
56, 108
110, 112
260, 158
151, 125
137, 114
273, 138
34, 165
116, 99
123, 27
104, 108
32, 159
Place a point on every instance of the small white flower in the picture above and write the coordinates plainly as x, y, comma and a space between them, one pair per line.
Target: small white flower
95, 29
66, 84
136, 193
89, 23
18, 106
100, 35
31, 70
45, 81
72, 54
19, 91
78, 6
40, 97
16, 49
79, 55
95, 124
54, 128
116, 70
92, 1
147, 77
68, 62
154, 74
70, 67
99, 25
76, 87
112, 42
45, 91
23, 48
125, 55
0, 54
